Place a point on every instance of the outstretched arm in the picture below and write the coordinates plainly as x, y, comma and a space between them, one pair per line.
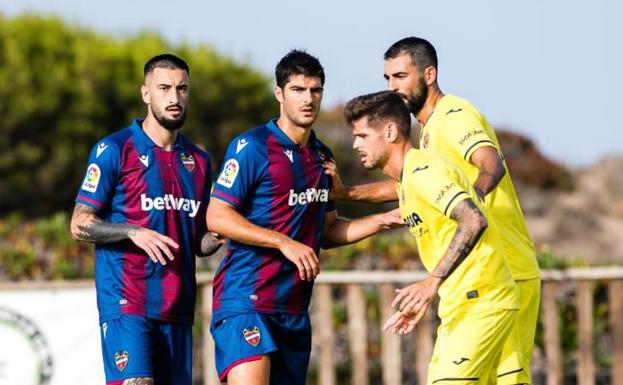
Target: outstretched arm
222, 218
340, 231
86, 226
376, 192
491, 170
413, 301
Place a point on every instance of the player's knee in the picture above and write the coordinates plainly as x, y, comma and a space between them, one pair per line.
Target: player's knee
139, 381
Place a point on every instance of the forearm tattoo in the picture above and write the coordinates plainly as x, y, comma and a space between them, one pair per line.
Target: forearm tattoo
470, 228
209, 245
87, 227
485, 183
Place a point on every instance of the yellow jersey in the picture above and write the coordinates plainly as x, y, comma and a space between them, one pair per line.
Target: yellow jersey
430, 188
454, 131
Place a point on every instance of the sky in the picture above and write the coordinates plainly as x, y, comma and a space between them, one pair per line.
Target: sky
549, 69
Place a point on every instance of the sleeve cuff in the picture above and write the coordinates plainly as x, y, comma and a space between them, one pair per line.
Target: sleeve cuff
226, 197
475, 146
88, 201
455, 200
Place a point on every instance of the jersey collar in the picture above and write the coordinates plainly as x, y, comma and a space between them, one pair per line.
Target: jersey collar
313, 141
144, 141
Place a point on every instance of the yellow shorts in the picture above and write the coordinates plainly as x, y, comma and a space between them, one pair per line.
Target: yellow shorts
469, 346
515, 362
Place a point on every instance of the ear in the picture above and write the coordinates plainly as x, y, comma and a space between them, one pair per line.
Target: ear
145, 94
278, 94
430, 75
391, 132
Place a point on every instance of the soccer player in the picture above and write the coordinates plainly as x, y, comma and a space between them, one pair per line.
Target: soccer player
271, 201
458, 132
478, 296
143, 202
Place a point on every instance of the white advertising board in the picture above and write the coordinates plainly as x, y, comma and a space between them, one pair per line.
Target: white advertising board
49, 337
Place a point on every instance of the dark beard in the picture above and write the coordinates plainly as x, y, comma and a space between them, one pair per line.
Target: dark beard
171, 124
416, 102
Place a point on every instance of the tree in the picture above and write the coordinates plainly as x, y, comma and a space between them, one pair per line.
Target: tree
63, 87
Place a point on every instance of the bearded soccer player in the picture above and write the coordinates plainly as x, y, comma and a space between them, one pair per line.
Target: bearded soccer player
143, 203
271, 201
462, 254
455, 130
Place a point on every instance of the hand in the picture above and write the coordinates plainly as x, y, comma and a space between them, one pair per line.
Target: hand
211, 243
391, 219
338, 191
416, 298
401, 323
153, 243
303, 257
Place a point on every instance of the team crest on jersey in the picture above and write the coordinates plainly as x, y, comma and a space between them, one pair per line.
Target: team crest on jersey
121, 360
252, 335
188, 162
92, 179
425, 140
229, 173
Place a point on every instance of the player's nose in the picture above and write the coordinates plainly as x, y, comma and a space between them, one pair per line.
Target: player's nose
391, 85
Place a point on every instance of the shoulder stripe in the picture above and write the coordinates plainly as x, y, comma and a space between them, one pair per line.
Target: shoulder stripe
445, 212
475, 144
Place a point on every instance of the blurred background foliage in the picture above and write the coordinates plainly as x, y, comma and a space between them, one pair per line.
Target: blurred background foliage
63, 87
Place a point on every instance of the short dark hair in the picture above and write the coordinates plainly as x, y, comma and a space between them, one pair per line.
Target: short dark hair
297, 62
165, 60
379, 107
421, 51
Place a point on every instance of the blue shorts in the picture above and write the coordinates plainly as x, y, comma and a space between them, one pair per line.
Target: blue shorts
135, 346
285, 338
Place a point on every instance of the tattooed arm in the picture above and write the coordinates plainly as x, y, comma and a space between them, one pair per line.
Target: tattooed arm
491, 170
413, 301
209, 244
86, 226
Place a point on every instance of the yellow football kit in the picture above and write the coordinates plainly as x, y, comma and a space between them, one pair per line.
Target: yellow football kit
455, 131
478, 300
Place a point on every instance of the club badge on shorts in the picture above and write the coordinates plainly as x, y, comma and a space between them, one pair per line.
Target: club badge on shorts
252, 335
121, 360
188, 162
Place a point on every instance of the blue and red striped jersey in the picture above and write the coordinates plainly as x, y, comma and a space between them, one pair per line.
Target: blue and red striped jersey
279, 185
131, 180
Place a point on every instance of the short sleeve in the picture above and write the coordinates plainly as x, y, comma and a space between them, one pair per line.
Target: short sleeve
242, 169
435, 186
465, 132
100, 180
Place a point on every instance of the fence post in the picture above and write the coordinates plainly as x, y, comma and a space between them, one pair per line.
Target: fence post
615, 313
357, 333
551, 333
210, 377
584, 304
390, 342
324, 335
